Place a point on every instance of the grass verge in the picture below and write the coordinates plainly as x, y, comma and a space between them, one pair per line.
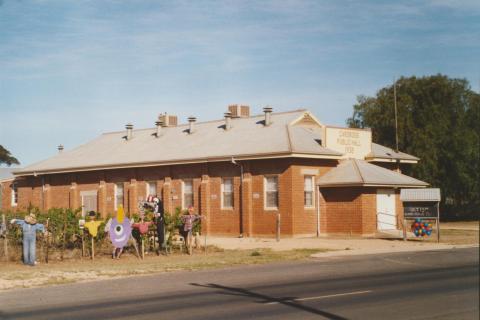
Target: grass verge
16, 275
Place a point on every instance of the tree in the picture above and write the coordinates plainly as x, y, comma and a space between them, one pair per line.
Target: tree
6, 157
438, 121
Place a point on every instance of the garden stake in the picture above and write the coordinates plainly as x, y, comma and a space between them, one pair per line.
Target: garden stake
5, 240
93, 250
46, 241
64, 233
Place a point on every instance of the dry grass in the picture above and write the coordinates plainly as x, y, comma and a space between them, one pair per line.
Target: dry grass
15, 275
458, 236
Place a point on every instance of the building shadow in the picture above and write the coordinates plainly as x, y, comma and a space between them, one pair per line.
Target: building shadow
264, 299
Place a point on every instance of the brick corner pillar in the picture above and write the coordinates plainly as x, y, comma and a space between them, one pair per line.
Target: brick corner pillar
247, 209
167, 195
73, 196
132, 197
205, 203
47, 197
102, 198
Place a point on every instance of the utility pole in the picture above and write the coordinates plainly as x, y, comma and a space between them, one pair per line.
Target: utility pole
396, 119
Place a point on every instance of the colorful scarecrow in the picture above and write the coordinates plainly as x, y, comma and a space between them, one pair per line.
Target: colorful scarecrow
142, 228
92, 226
29, 227
119, 229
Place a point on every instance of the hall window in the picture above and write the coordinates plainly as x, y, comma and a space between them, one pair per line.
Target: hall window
308, 199
271, 192
187, 193
118, 195
14, 194
227, 193
151, 188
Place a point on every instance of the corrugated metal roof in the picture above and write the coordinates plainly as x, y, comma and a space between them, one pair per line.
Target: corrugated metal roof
247, 137
355, 172
382, 152
425, 194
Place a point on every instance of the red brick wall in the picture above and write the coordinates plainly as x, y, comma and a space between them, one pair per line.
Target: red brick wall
342, 210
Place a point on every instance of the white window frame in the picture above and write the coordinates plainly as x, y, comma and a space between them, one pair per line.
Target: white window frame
222, 204
14, 194
115, 189
265, 207
312, 179
90, 193
183, 193
149, 183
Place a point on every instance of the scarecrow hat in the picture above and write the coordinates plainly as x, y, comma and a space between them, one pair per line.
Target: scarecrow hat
92, 214
31, 219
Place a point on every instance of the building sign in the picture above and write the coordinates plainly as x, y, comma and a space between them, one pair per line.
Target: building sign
420, 210
353, 143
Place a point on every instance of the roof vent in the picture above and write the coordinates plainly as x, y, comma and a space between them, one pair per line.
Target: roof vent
159, 125
268, 111
168, 120
129, 128
191, 121
239, 111
60, 148
228, 120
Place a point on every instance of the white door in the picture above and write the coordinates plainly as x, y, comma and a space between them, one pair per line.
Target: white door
386, 214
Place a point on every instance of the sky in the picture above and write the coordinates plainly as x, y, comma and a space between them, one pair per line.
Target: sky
71, 70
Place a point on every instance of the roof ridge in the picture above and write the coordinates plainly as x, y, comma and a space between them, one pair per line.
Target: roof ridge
289, 138
209, 121
357, 169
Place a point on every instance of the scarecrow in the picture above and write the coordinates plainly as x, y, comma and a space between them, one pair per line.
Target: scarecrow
92, 226
119, 229
29, 227
159, 221
142, 228
188, 221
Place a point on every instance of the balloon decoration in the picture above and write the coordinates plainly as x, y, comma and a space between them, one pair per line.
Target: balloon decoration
421, 228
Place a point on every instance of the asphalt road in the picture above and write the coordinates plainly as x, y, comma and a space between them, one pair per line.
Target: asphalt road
425, 285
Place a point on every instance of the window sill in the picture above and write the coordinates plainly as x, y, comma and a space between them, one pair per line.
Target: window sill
270, 209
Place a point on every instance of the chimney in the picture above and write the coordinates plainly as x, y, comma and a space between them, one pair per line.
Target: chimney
60, 148
228, 120
268, 111
159, 125
239, 111
129, 128
168, 120
191, 121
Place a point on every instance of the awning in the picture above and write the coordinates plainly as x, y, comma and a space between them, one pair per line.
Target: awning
354, 172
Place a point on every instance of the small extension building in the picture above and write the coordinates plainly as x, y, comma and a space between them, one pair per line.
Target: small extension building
240, 172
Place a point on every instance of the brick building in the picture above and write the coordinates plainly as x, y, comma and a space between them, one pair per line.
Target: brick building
240, 172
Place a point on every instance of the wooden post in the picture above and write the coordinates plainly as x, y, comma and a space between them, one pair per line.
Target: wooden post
93, 249
438, 221
64, 233
83, 243
143, 248
278, 226
5, 240
47, 243
404, 229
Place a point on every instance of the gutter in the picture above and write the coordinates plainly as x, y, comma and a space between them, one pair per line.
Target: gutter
174, 162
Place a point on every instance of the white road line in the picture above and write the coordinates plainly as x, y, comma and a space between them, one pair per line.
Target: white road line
322, 297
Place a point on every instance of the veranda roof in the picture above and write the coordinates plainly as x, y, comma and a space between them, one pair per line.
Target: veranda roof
354, 172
